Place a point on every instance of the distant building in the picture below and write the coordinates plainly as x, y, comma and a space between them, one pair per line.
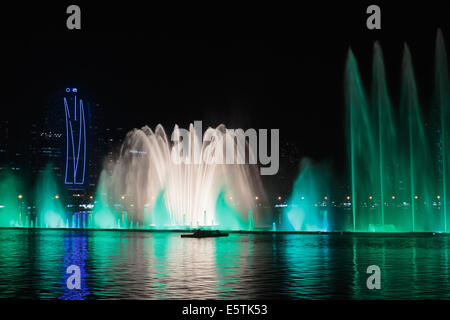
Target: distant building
12, 152
46, 147
4, 140
76, 153
113, 141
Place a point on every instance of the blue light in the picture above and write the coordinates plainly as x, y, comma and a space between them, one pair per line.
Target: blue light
71, 149
66, 109
137, 151
84, 129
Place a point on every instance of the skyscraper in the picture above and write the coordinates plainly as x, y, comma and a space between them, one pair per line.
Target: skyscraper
68, 138
75, 141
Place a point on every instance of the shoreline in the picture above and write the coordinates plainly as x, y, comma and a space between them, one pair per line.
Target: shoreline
266, 232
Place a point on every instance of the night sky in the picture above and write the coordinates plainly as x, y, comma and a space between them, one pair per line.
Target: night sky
253, 67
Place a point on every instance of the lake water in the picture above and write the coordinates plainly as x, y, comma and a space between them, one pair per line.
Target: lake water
161, 265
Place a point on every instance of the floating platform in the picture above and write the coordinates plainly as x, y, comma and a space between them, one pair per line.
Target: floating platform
205, 234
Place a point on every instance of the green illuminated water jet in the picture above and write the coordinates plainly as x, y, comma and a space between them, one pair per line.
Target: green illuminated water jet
442, 99
307, 207
104, 216
49, 207
11, 202
363, 151
398, 157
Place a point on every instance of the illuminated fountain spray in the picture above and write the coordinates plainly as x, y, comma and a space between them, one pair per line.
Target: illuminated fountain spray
50, 210
398, 158
152, 188
307, 208
15, 208
442, 104
11, 202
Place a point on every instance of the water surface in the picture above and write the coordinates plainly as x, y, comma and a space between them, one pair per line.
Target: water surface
161, 265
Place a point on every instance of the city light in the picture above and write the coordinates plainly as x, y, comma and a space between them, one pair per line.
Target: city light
370, 197
326, 198
256, 198
393, 197
279, 198
56, 196
20, 196
348, 197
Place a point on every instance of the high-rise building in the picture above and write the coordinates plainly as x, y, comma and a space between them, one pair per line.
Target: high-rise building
76, 154
69, 140
113, 138
11, 150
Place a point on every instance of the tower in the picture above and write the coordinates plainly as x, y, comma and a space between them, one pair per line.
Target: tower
75, 142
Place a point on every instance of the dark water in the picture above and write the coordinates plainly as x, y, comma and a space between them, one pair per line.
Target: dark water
138, 265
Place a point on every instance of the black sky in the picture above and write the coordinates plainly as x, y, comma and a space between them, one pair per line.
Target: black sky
260, 67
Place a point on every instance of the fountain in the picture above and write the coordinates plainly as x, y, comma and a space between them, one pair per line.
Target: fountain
442, 107
50, 211
306, 209
399, 173
11, 202
15, 208
157, 191
397, 157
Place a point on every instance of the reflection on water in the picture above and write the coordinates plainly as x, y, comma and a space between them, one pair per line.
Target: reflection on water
75, 253
141, 265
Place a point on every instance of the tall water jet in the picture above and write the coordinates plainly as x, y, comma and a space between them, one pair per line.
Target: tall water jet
394, 173
385, 137
442, 100
362, 151
417, 150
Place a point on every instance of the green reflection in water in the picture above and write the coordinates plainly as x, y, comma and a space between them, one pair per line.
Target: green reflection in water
161, 265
